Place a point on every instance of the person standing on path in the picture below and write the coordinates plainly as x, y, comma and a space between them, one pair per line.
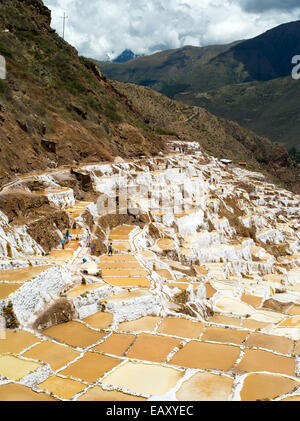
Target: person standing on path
63, 243
67, 235
110, 250
89, 239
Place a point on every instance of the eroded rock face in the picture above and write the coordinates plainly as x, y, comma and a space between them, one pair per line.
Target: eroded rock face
61, 312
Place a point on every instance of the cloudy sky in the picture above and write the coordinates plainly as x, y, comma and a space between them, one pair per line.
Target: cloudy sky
104, 28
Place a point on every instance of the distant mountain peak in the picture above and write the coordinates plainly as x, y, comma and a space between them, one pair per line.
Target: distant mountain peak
125, 56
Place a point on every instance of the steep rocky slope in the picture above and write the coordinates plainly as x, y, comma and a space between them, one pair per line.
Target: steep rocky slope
268, 108
51, 93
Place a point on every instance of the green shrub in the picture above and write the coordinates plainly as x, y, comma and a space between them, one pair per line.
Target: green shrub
74, 86
160, 131
5, 51
112, 115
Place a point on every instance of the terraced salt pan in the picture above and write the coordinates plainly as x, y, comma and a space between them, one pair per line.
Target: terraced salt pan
147, 324
20, 393
116, 344
273, 343
15, 368
72, 245
121, 246
181, 327
74, 334
164, 273
234, 306
267, 316
181, 286
206, 387
218, 334
224, 320
91, 367
52, 353
289, 327
7, 289
61, 254
216, 271
124, 273
166, 244
16, 341
122, 231
22, 274
121, 258
152, 347
252, 300
128, 282
83, 289
96, 394
263, 386
99, 320
294, 310
61, 387
258, 360
131, 264
75, 213
142, 378
206, 356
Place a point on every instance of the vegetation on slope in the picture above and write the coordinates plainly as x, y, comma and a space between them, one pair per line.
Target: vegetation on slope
269, 108
52, 93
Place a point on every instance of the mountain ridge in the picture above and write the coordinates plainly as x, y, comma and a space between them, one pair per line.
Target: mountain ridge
217, 81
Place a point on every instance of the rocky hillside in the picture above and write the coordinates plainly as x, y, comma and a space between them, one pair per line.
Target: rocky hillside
51, 93
219, 137
268, 108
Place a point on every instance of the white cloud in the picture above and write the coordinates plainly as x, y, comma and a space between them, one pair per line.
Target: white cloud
101, 27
